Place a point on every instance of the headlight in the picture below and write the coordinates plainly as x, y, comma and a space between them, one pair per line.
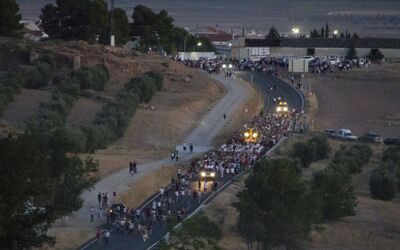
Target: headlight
285, 109
203, 174
212, 174
278, 109
255, 135
246, 134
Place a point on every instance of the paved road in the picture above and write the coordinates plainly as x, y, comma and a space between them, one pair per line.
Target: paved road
283, 89
132, 241
201, 137
121, 241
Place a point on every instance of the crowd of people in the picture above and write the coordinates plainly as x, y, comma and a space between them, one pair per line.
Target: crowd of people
187, 190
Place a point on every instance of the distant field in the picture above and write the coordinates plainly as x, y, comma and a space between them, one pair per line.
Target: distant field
364, 100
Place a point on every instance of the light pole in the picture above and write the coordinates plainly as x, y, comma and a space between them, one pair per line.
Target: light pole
198, 45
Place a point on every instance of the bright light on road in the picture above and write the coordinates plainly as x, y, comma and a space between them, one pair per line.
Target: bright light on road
203, 174
255, 135
335, 32
296, 30
199, 44
230, 66
246, 134
224, 66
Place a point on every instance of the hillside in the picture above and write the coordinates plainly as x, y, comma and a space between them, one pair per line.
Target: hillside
154, 129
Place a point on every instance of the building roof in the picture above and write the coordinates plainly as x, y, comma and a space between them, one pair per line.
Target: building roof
260, 43
212, 33
378, 43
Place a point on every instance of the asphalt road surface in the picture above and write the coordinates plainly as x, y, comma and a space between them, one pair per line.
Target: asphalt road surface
202, 135
125, 241
263, 82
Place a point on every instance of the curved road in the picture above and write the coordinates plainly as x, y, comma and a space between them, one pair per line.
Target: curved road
201, 137
263, 82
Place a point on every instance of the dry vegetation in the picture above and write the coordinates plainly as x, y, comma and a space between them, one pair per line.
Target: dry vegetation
147, 185
186, 97
362, 99
24, 105
236, 121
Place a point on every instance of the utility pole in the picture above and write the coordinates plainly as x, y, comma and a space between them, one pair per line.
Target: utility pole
112, 22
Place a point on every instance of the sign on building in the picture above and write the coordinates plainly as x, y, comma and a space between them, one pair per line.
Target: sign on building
254, 53
298, 65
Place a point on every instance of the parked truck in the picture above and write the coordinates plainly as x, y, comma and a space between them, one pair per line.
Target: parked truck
343, 134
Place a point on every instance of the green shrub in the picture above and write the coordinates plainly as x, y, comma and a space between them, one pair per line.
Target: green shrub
38, 75
92, 77
304, 153
375, 55
144, 86
383, 182
201, 226
72, 140
97, 137
158, 79
354, 158
392, 154
335, 191
321, 147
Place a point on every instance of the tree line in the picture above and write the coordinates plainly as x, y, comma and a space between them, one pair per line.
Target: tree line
90, 21
279, 207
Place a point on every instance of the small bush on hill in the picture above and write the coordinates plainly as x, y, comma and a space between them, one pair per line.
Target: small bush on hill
383, 182
38, 75
158, 79
97, 137
335, 191
92, 77
201, 226
354, 157
304, 153
144, 86
321, 147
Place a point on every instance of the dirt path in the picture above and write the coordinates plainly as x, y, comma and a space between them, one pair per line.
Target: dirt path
201, 137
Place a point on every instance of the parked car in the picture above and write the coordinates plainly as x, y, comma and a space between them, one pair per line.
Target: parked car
346, 134
330, 132
392, 141
371, 137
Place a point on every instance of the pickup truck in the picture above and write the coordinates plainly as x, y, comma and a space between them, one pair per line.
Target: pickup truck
343, 134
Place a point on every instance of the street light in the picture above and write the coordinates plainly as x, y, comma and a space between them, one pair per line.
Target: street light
198, 44
296, 31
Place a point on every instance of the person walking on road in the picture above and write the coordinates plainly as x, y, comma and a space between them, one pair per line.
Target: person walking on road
99, 198
91, 214
191, 147
107, 235
224, 116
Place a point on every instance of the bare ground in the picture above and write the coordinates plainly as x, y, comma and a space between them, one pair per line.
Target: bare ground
364, 100
253, 104
24, 105
83, 112
152, 133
